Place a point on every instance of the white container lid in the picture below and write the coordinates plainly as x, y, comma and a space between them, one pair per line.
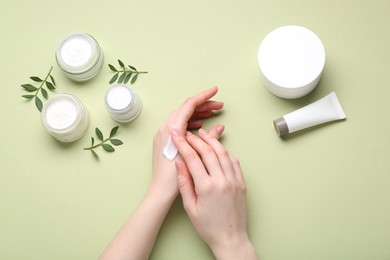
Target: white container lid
291, 60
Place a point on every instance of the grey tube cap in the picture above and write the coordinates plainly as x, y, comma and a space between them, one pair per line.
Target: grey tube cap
281, 126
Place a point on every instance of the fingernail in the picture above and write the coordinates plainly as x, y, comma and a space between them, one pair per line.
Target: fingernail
202, 131
188, 133
174, 132
220, 128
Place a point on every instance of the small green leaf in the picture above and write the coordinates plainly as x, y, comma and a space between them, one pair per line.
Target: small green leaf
114, 78
36, 79
113, 131
92, 141
38, 103
112, 68
127, 78
108, 147
29, 97
29, 87
44, 93
95, 154
121, 63
52, 80
134, 79
116, 142
122, 77
132, 67
99, 134
50, 85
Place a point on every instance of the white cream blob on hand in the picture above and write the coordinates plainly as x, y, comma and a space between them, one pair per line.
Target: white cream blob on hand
123, 103
65, 118
291, 60
326, 109
170, 150
79, 56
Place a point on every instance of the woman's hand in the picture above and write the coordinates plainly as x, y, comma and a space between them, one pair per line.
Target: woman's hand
214, 194
188, 116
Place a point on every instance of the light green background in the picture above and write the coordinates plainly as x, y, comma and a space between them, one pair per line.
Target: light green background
319, 194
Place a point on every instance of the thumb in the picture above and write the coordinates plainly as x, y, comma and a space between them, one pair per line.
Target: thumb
186, 186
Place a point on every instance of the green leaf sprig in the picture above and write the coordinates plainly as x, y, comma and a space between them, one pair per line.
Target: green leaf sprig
48, 81
124, 74
104, 142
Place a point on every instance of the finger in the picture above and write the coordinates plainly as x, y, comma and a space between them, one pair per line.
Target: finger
221, 153
206, 152
186, 186
204, 114
186, 110
194, 124
237, 169
217, 131
190, 156
209, 106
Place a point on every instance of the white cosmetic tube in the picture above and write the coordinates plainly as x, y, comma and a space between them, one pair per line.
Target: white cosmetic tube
324, 110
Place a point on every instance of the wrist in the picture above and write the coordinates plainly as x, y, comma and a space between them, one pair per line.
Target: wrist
160, 195
234, 248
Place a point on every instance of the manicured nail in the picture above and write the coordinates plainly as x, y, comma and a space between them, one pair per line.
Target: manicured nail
174, 132
220, 128
202, 131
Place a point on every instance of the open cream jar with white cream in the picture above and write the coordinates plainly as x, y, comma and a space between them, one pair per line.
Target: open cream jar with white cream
79, 56
65, 117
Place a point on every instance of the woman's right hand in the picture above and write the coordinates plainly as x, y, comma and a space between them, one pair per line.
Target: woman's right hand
213, 190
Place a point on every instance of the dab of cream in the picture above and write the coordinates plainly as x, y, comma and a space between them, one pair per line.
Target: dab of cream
170, 150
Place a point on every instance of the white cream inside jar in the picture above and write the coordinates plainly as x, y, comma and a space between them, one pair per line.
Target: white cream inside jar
123, 103
65, 118
79, 56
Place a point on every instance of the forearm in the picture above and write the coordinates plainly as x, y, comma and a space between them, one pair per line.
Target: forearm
136, 238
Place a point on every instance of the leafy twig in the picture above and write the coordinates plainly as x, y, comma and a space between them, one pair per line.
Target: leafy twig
31, 88
124, 74
103, 143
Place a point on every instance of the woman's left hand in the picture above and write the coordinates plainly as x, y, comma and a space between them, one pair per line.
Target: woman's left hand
188, 116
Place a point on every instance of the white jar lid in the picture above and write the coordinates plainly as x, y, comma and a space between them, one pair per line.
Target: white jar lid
291, 60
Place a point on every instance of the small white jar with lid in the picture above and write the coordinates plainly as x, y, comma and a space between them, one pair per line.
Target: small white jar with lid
123, 103
79, 56
65, 118
291, 60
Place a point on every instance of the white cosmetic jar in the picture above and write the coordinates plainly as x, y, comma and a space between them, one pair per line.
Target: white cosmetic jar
65, 118
79, 56
291, 60
123, 103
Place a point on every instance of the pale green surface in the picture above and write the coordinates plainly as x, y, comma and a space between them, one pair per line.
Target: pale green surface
321, 194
